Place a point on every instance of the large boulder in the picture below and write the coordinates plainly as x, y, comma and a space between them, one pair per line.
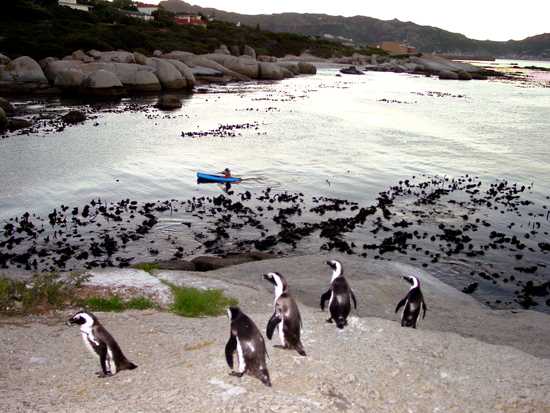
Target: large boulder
185, 71
169, 102
4, 60
55, 67
140, 58
249, 51
222, 50
3, 120
83, 57
118, 56
103, 83
73, 117
448, 75
266, 58
462, 75
270, 71
7, 106
307, 68
17, 123
293, 67
157, 53
235, 50
201, 71
244, 65
170, 77
71, 78
26, 70
45, 62
135, 77
96, 54
193, 61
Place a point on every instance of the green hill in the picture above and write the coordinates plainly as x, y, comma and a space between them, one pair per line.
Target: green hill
41, 28
368, 31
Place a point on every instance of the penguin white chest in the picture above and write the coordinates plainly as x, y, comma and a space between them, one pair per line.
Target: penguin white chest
240, 356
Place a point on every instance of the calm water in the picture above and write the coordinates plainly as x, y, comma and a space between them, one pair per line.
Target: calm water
346, 137
323, 128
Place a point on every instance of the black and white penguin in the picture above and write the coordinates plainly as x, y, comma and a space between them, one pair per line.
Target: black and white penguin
98, 340
286, 315
339, 295
248, 342
413, 302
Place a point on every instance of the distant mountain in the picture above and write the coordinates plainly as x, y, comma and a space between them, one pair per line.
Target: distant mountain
370, 31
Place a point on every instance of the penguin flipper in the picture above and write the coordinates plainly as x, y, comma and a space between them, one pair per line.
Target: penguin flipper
400, 304
230, 348
271, 324
353, 298
325, 297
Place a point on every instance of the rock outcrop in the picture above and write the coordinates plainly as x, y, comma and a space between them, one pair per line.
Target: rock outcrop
244, 65
249, 51
169, 102
185, 71
22, 74
4, 60
74, 117
270, 71
103, 83
118, 57
3, 120
170, 77
7, 106
307, 68
71, 78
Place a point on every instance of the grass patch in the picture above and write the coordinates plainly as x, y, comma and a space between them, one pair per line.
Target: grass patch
193, 302
43, 293
116, 304
146, 266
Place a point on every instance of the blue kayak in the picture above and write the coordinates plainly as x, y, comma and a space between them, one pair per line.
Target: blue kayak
204, 178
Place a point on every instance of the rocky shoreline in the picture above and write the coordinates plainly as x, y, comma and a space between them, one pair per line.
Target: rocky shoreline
463, 358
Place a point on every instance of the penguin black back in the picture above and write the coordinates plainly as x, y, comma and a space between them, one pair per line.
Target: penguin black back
286, 315
413, 304
248, 342
339, 295
100, 342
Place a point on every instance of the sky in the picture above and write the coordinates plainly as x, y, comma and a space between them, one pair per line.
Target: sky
477, 19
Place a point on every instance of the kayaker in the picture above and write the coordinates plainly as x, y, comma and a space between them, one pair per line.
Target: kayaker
226, 173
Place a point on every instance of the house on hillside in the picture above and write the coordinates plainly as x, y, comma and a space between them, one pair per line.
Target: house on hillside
74, 4
189, 20
145, 8
137, 15
397, 48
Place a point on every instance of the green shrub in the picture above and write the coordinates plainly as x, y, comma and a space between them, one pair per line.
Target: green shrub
44, 292
116, 304
193, 302
146, 266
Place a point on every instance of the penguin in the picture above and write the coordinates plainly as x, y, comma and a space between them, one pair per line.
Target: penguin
339, 295
286, 315
98, 340
247, 341
413, 302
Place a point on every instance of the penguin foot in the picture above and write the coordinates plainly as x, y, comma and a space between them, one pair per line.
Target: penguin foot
285, 347
236, 374
102, 375
329, 320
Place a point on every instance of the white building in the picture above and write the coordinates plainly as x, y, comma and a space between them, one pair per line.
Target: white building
73, 4
145, 8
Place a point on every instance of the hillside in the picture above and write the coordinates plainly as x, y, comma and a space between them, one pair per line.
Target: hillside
41, 28
367, 31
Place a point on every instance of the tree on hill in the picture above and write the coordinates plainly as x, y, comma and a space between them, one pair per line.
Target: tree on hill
124, 5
